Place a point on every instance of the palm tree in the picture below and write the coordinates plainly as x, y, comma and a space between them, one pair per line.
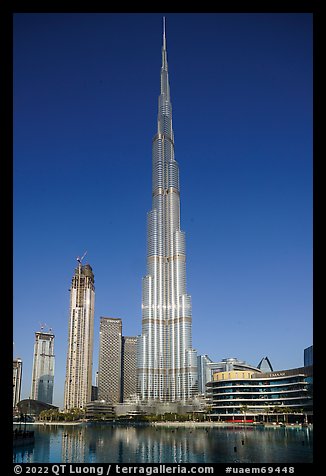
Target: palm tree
244, 409
286, 411
267, 412
277, 409
208, 409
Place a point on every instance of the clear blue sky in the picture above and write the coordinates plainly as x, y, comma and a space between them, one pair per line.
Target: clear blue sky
86, 89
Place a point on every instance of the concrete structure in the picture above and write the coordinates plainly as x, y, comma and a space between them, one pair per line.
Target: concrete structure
17, 381
129, 367
99, 408
117, 370
168, 364
160, 408
78, 383
43, 367
109, 368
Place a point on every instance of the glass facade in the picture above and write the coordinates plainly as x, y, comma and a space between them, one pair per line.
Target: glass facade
167, 363
308, 356
291, 390
43, 367
204, 372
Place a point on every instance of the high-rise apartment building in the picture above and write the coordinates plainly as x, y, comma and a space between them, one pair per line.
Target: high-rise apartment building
168, 364
17, 381
117, 369
43, 367
129, 367
78, 383
109, 368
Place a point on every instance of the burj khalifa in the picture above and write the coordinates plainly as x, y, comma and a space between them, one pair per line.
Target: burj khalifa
167, 366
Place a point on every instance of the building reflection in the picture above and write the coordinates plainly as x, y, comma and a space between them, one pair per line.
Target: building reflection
149, 445
101, 443
39, 451
73, 444
23, 454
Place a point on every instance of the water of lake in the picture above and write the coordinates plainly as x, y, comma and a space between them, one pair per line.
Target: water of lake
102, 443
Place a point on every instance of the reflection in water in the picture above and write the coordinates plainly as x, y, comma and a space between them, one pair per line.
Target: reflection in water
74, 444
23, 454
101, 443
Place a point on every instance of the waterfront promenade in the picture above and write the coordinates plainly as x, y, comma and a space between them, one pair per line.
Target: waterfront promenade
171, 424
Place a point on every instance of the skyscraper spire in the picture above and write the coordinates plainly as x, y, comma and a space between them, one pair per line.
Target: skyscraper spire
164, 38
168, 365
164, 56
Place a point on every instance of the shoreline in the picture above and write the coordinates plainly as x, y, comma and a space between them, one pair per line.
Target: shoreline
171, 424
210, 424
49, 423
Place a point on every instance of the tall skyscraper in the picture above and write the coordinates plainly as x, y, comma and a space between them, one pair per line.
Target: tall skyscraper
168, 364
78, 383
17, 380
109, 368
43, 367
117, 369
129, 367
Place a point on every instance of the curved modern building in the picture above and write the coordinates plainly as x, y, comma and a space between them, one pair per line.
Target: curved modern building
168, 364
258, 394
34, 407
206, 368
231, 363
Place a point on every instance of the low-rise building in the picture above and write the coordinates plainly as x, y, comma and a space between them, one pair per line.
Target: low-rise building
206, 368
99, 407
254, 395
33, 408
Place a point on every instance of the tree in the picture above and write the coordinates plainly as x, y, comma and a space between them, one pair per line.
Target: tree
244, 409
277, 409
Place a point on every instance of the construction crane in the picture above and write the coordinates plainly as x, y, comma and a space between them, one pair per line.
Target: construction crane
81, 259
